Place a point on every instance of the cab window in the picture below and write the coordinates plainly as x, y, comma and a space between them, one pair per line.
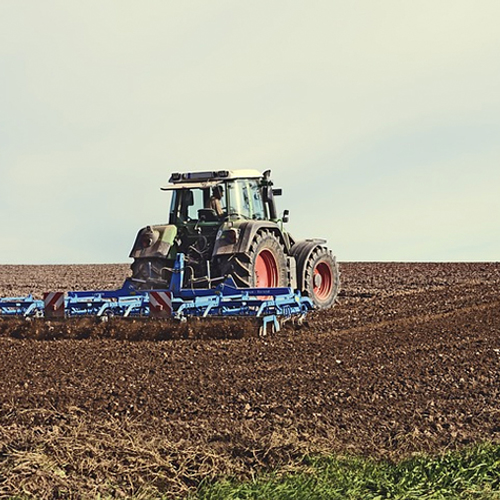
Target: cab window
185, 204
245, 199
198, 204
258, 210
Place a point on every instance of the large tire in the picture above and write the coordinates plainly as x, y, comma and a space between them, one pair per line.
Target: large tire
263, 266
321, 278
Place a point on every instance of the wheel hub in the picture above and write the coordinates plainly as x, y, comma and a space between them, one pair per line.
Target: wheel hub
317, 280
266, 270
322, 280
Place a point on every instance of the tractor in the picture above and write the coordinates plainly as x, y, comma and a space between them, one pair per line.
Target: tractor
226, 224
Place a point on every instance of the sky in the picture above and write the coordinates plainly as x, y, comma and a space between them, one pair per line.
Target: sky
380, 119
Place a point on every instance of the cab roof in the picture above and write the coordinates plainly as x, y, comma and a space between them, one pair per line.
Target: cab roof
208, 178
213, 175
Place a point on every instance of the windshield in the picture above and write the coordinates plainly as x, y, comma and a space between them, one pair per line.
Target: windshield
245, 199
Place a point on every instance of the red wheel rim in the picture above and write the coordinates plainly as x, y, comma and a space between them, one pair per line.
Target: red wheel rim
266, 270
322, 280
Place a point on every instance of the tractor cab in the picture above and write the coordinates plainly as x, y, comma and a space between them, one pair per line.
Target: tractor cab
214, 197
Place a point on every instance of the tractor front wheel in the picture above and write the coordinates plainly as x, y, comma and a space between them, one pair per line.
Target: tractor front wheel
321, 278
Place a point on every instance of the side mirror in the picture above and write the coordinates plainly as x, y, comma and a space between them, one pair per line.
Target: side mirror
285, 217
277, 192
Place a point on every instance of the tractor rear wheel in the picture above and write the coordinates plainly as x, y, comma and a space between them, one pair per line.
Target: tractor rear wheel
321, 278
263, 266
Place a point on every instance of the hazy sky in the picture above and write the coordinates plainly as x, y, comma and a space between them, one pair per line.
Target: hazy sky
379, 119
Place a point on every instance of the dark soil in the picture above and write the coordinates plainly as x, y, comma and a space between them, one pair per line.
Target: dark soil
407, 361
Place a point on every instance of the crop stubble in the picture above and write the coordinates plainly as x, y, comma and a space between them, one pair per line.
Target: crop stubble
407, 361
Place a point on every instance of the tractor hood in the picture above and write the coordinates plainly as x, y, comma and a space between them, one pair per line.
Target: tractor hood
154, 241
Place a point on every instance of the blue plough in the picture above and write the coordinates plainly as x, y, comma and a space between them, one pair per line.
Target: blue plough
269, 305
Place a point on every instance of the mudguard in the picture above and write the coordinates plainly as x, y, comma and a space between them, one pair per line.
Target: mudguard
246, 233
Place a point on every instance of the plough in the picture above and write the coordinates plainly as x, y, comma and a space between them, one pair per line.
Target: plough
269, 305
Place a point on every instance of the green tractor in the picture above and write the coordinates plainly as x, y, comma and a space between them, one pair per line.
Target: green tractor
226, 224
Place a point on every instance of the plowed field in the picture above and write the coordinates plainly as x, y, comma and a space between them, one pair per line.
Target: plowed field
407, 361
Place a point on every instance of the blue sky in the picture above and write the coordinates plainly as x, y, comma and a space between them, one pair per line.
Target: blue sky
380, 120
